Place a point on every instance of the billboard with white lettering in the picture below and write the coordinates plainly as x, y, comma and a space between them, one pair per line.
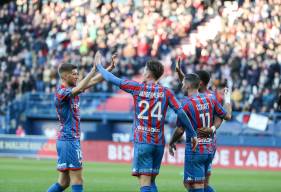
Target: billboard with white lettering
226, 156
102, 151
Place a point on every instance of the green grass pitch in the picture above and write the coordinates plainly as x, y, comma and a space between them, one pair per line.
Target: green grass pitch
30, 175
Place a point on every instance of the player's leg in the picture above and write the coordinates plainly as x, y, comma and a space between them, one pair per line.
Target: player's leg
207, 187
194, 172
76, 180
145, 182
153, 184
75, 166
62, 184
157, 159
63, 180
142, 165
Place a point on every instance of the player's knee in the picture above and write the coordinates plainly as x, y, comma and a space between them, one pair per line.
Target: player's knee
76, 177
145, 180
77, 181
190, 185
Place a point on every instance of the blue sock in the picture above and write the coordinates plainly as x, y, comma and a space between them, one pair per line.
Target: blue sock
196, 190
145, 189
153, 187
55, 188
77, 188
209, 189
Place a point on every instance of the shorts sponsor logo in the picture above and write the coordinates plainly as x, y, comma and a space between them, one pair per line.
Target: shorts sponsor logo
62, 165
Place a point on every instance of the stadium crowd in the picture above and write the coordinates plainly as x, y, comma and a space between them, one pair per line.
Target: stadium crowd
247, 52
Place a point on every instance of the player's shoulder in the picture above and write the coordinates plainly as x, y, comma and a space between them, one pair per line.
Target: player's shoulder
131, 82
166, 90
185, 100
63, 92
210, 95
63, 88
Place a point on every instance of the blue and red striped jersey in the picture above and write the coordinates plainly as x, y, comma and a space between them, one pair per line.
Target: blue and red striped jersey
68, 112
150, 105
215, 94
201, 110
219, 98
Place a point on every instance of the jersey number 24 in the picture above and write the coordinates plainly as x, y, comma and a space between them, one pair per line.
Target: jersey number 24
155, 112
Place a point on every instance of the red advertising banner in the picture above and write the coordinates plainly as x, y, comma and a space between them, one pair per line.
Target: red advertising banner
102, 151
226, 157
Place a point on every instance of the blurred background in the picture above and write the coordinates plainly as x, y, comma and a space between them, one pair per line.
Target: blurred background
238, 42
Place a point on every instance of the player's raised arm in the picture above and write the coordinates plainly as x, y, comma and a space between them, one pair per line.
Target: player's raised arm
99, 78
84, 82
227, 103
107, 75
220, 111
178, 69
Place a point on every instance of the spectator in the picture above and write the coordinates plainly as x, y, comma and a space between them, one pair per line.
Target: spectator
246, 50
20, 132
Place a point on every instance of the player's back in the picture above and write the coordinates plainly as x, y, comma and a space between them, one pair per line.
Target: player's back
68, 113
201, 110
150, 104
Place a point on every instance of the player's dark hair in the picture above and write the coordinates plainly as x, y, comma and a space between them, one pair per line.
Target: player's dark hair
66, 68
156, 68
193, 79
204, 76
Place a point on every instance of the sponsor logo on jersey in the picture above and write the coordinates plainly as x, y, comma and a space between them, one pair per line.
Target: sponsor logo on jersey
146, 129
205, 140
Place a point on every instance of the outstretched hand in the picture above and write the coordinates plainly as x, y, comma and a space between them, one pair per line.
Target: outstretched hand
227, 95
113, 61
178, 69
172, 149
178, 64
98, 58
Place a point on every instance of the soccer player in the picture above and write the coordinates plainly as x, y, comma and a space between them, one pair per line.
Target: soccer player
151, 101
201, 109
69, 163
207, 131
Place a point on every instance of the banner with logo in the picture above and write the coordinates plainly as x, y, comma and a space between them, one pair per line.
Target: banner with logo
113, 152
226, 156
